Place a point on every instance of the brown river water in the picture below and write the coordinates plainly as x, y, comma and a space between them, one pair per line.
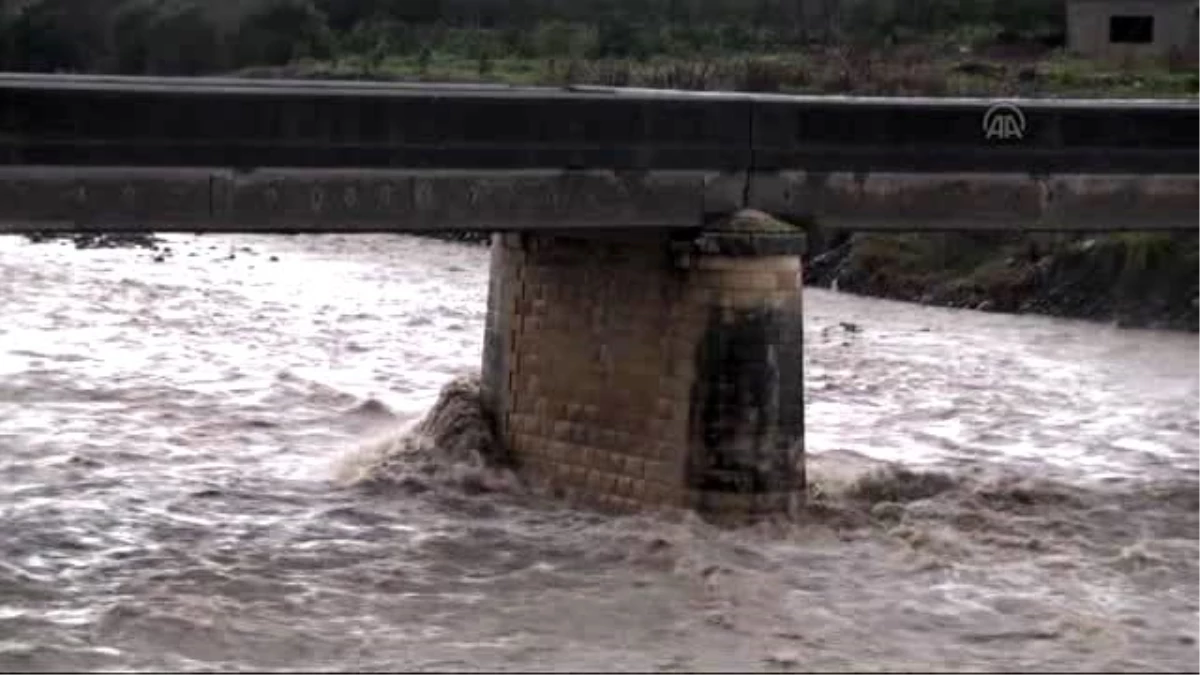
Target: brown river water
206, 463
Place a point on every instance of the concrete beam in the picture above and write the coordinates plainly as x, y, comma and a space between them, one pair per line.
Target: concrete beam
979, 201
946, 136
348, 201
109, 152
245, 124
352, 200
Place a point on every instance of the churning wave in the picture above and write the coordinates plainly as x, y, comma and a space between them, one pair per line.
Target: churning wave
451, 446
984, 557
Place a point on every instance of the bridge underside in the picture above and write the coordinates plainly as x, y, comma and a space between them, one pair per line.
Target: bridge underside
193, 199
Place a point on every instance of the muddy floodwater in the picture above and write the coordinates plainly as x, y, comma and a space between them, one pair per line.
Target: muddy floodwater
206, 463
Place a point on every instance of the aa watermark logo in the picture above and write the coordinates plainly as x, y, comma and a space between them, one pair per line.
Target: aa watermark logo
1004, 121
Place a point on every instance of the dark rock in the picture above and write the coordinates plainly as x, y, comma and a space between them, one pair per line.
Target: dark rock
1134, 279
90, 240
461, 236
980, 68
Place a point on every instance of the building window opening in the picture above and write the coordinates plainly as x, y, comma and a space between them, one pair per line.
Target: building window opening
1131, 29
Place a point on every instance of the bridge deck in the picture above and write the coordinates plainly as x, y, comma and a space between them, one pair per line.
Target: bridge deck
230, 153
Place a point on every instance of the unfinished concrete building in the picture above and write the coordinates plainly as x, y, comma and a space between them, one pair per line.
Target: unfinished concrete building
1133, 29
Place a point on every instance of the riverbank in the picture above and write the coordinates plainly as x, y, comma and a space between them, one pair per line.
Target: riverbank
1143, 279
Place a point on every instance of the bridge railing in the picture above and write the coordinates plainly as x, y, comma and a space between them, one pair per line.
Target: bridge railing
235, 154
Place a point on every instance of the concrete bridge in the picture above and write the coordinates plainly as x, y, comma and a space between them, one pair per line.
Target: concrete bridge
644, 343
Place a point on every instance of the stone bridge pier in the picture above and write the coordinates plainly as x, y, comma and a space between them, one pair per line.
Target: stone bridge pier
652, 368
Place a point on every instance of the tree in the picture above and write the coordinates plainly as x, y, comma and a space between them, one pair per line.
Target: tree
279, 32
58, 35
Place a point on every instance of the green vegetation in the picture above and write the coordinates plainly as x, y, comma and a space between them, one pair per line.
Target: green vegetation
933, 47
96, 34
869, 46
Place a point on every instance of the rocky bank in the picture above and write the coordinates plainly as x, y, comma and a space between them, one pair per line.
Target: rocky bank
1137, 279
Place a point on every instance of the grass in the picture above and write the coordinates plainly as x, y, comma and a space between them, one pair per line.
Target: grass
932, 70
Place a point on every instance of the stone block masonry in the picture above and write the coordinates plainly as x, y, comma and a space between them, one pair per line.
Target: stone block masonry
638, 370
